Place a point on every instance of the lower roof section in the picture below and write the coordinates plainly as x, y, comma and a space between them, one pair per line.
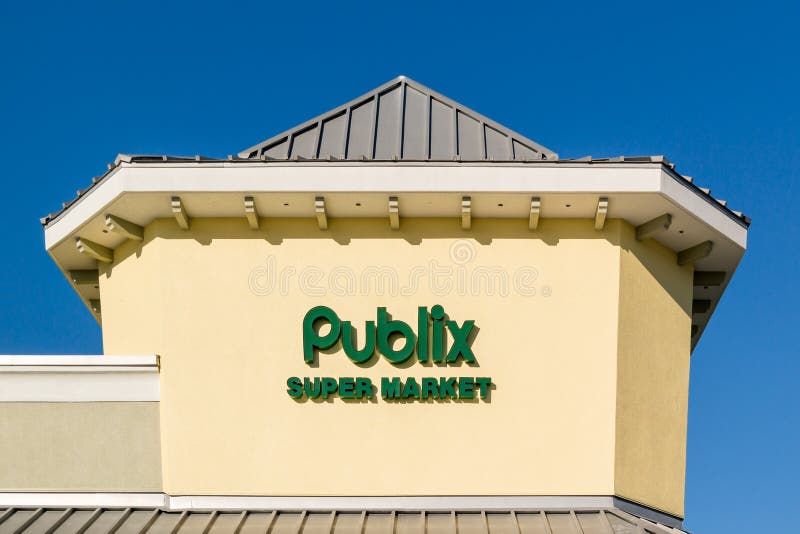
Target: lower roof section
157, 520
120, 513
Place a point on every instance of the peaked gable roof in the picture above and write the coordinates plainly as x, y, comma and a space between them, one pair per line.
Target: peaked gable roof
400, 120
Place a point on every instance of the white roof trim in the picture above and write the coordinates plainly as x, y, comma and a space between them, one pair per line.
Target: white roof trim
79, 379
397, 178
81, 500
432, 503
43, 361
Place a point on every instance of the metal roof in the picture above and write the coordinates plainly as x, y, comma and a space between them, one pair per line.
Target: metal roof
149, 520
401, 120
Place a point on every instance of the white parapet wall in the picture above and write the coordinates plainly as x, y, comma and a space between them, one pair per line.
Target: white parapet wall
79, 378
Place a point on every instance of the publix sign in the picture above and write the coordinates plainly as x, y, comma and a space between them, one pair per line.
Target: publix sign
435, 339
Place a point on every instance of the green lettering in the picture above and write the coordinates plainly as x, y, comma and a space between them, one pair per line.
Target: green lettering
430, 388
295, 386
311, 339
329, 386
447, 387
437, 314
312, 388
411, 389
460, 345
390, 389
363, 388
484, 383
385, 330
349, 343
347, 386
466, 388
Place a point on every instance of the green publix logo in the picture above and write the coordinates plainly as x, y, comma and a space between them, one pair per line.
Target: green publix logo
427, 344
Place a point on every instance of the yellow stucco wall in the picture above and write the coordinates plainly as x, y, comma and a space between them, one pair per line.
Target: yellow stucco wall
132, 298
79, 446
653, 374
228, 426
557, 424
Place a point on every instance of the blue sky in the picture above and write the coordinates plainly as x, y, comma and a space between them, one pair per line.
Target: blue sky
713, 86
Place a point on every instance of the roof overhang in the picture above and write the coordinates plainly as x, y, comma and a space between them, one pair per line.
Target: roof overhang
637, 192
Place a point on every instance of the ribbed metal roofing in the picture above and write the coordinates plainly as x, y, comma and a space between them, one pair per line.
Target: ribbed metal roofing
401, 120
125, 521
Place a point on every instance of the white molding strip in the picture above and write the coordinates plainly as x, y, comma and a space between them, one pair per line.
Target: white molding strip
396, 503
45, 360
463, 178
79, 379
87, 500
312, 503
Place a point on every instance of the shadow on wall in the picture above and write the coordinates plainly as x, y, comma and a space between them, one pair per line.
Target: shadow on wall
659, 261
661, 265
343, 231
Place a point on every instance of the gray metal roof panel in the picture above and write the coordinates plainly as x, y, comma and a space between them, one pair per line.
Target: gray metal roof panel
154, 520
401, 120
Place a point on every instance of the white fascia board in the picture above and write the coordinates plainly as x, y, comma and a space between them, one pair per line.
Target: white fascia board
462, 178
79, 379
398, 503
313, 503
82, 500
706, 211
77, 360
389, 178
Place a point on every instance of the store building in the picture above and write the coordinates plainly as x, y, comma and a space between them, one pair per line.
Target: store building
399, 316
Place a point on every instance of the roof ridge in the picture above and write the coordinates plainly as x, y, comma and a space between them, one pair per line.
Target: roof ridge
401, 119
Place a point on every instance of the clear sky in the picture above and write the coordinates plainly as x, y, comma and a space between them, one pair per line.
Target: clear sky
713, 86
